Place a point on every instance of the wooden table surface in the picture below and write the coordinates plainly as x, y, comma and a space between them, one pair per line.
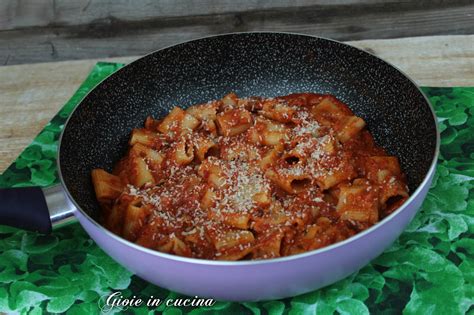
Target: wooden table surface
50, 30
30, 94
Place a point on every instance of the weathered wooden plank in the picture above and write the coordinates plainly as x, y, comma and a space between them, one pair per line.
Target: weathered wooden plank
32, 94
111, 37
33, 13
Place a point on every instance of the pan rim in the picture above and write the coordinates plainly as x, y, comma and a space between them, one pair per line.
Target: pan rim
284, 259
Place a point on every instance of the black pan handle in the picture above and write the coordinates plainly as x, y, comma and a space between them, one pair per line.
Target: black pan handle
35, 208
25, 208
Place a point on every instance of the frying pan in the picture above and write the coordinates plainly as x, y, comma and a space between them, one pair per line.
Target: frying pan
261, 64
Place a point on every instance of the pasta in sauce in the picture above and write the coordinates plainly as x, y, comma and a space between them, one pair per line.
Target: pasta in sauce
250, 178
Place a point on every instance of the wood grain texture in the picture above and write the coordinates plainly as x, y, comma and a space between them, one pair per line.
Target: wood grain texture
32, 94
16, 14
71, 30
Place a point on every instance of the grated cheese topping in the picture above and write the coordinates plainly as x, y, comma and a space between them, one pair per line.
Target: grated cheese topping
271, 182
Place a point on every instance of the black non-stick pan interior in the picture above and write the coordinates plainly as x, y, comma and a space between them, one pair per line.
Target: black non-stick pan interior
260, 64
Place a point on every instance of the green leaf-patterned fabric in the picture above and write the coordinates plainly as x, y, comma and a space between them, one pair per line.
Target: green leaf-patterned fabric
428, 270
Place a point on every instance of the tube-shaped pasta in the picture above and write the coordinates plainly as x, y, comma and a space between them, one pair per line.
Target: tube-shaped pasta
178, 122
233, 238
205, 147
269, 246
135, 216
183, 153
233, 122
140, 173
380, 168
292, 183
107, 186
230, 101
294, 156
330, 110
188, 123
235, 254
348, 127
151, 124
209, 199
268, 132
143, 136
114, 218
238, 151
359, 202
210, 127
251, 104
178, 247
262, 199
385, 171
151, 156
212, 172
204, 112
393, 189
274, 216
172, 121
271, 157
278, 110
345, 171
235, 220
